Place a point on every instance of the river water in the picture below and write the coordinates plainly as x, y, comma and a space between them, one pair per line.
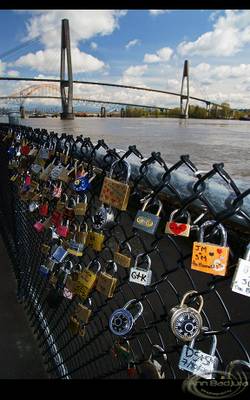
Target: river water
206, 141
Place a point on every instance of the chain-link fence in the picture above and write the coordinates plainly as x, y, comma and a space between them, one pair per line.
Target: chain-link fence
70, 354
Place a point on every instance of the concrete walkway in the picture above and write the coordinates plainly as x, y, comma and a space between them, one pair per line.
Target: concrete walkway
19, 353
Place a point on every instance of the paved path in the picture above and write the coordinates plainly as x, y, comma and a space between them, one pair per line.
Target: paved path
19, 353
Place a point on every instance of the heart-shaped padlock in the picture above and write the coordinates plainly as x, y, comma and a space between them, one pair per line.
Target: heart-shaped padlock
122, 321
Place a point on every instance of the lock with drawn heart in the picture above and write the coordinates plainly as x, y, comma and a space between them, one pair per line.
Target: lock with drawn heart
208, 257
178, 228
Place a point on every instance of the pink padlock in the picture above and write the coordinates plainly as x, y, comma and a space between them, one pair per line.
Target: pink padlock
27, 180
39, 226
63, 230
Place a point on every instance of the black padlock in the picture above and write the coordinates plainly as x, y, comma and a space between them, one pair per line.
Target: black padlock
147, 221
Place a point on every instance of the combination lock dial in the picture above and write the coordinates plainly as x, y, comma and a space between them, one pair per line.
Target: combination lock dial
122, 321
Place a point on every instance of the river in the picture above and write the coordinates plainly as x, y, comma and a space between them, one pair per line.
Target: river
206, 141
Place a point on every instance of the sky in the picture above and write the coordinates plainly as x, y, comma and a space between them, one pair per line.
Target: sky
133, 47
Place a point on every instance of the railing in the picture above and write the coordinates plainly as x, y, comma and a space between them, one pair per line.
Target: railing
182, 186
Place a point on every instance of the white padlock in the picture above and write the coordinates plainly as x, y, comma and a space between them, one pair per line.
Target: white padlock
140, 275
241, 279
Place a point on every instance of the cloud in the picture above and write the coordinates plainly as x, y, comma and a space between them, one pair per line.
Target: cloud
13, 73
161, 55
48, 61
2, 67
158, 12
93, 45
137, 70
132, 43
231, 32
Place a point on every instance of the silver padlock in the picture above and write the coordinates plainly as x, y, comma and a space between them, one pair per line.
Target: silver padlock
241, 279
141, 275
152, 368
33, 206
122, 321
197, 362
103, 218
186, 322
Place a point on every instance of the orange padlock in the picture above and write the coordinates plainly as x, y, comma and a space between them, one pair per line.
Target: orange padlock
208, 257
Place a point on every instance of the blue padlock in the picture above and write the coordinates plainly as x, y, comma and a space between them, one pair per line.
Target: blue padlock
81, 184
11, 152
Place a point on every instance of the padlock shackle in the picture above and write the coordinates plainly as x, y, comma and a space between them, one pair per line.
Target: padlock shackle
139, 306
121, 247
186, 295
128, 166
157, 351
247, 253
221, 228
96, 262
156, 201
85, 198
79, 226
173, 213
114, 265
234, 363
144, 256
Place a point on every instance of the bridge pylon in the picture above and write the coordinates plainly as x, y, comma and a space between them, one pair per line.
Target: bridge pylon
185, 80
103, 112
66, 85
22, 112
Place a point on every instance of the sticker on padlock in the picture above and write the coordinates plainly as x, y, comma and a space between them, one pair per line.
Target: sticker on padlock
208, 257
178, 228
197, 362
186, 322
87, 280
122, 320
147, 221
95, 240
113, 192
59, 254
122, 259
141, 275
106, 283
241, 279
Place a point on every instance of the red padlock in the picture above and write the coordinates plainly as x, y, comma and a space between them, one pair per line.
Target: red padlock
39, 226
44, 209
25, 149
63, 230
56, 218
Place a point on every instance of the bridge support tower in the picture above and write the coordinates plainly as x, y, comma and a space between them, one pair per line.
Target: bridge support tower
103, 112
122, 113
66, 85
184, 106
22, 112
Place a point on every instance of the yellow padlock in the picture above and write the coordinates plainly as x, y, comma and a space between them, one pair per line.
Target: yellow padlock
208, 257
106, 283
95, 240
87, 280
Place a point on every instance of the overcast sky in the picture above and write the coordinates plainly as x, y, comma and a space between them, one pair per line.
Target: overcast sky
137, 47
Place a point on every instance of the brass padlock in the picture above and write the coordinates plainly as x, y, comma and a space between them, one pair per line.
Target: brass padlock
87, 280
82, 233
75, 327
115, 193
178, 228
106, 283
81, 206
65, 175
95, 240
60, 205
122, 259
208, 257
83, 313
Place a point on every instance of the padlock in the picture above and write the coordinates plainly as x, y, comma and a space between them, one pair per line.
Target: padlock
122, 321
113, 192
64, 156
122, 259
82, 312
75, 248
197, 362
241, 279
106, 283
208, 257
186, 322
44, 209
103, 218
81, 207
36, 168
141, 275
68, 212
39, 226
82, 183
63, 229
152, 368
82, 233
45, 174
95, 240
33, 206
56, 217
55, 170
178, 228
47, 269
59, 254
65, 173
147, 221
57, 192
45, 249
44, 152
25, 149
87, 280
75, 327
60, 205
